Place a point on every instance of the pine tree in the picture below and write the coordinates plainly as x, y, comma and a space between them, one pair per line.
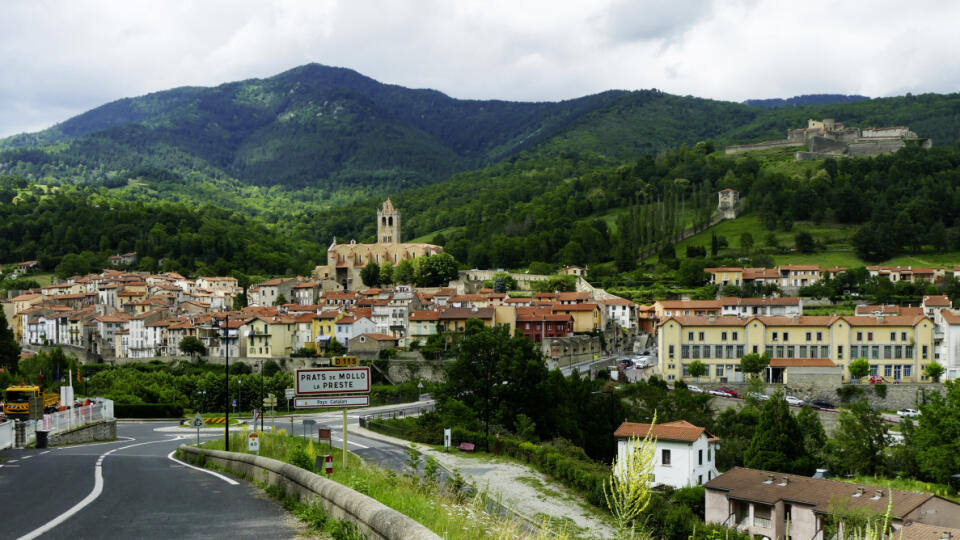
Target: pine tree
775, 444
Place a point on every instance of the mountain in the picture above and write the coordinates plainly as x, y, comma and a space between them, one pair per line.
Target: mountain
806, 99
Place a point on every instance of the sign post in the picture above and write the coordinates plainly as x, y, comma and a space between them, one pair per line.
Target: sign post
327, 383
253, 442
289, 393
447, 437
197, 422
308, 422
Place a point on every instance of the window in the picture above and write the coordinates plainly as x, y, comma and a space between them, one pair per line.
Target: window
840, 351
875, 352
803, 351
779, 351
709, 454
903, 336
699, 479
670, 350
898, 351
706, 351
689, 336
700, 336
773, 337
768, 350
695, 351
859, 336
786, 336
893, 336
684, 351
729, 351
665, 457
923, 354
908, 351
887, 352
854, 351
739, 351
907, 370
809, 335
824, 351
869, 336
699, 457
719, 371
735, 336
756, 349
887, 370
819, 336
874, 370
723, 336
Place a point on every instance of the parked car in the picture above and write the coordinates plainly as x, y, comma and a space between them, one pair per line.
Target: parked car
720, 393
694, 388
877, 379
822, 404
625, 363
795, 401
731, 391
908, 413
758, 395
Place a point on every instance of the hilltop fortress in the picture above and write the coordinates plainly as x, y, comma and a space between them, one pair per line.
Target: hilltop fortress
828, 138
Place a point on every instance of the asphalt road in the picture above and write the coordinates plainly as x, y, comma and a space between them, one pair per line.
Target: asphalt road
140, 493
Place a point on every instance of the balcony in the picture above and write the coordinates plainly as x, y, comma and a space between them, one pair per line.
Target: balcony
764, 523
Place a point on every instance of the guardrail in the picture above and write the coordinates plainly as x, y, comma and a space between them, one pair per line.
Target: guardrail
71, 418
6, 434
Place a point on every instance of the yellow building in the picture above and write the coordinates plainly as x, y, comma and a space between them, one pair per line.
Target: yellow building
725, 275
270, 337
897, 347
324, 327
586, 317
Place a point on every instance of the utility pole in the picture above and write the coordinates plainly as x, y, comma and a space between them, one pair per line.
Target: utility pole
226, 377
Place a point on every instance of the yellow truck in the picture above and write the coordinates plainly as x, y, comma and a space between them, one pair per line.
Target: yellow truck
16, 401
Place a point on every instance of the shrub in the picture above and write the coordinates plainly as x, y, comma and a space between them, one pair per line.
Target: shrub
880, 390
147, 410
849, 393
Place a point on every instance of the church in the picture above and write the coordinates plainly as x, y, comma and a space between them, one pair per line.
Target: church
345, 261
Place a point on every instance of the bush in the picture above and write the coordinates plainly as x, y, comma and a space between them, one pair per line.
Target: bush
880, 390
147, 410
849, 393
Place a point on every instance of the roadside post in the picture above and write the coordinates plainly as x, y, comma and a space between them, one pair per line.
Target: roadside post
308, 423
289, 393
197, 423
340, 386
447, 437
253, 442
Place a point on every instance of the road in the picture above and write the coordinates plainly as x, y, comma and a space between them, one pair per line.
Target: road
130, 489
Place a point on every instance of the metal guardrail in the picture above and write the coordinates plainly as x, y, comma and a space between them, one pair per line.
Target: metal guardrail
71, 418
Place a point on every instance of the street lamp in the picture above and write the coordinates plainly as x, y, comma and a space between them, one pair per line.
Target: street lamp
260, 408
226, 378
239, 395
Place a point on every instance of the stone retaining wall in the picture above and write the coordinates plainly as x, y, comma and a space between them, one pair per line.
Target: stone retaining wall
898, 396
373, 517
103, 430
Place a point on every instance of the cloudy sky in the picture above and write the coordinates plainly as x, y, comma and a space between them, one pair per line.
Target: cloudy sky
60, 58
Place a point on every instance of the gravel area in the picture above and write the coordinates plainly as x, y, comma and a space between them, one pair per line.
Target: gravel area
520, 488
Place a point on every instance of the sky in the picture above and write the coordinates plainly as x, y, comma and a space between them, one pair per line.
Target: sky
61, 58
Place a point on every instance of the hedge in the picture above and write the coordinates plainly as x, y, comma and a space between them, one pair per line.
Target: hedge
147, 410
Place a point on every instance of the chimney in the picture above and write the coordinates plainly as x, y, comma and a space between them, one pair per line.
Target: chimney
785, 481
947, 535
877, 494
769, 479
859, 492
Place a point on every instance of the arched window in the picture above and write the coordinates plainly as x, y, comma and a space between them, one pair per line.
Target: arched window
390, 221
384, 221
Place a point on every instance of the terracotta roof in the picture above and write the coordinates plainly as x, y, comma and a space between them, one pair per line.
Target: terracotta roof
892, 320
347, 320
803, 320
618, 302
755, 485
536, 316
305, 285
723, 269
424, 315
784, 301
800, 267
704, 321
26, 297
567, 296
574, 307
114, 317
923, 531
467, 313
950, 317
679, 430
938, 300
801, 362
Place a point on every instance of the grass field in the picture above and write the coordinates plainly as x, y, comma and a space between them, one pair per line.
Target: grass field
427, 238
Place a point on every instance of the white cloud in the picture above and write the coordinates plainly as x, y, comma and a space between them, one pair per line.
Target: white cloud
61, 58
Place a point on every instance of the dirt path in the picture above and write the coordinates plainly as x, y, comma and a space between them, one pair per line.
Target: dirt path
520, 488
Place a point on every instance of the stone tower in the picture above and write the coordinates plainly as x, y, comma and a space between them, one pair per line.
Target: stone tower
388, 224
728, 202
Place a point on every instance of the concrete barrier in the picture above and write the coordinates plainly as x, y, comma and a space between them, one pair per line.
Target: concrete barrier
373, 517
6, 434
102, 430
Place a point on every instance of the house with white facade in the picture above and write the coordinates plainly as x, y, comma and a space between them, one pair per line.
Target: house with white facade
746, 307
349, 327
948, 347
621, 312
686, 455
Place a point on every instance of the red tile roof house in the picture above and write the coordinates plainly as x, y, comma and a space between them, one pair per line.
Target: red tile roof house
686, 455
762, 502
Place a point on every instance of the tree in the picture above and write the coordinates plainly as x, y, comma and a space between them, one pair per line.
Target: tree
814, 436
933, 370
746, 242
774, 446
804, 242
386, 273
859, 368
9, 348
403, 272
370, 275
193, 346
627, 491
691, 272
281, 300
696, 368
499, 285
754, 363
936, 436
334, 347
859, 442
714, 245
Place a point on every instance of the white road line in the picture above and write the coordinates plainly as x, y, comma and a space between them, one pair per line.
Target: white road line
226, 479
27, 457
45, 452
92, 496
119, 439
12, 460
350, 443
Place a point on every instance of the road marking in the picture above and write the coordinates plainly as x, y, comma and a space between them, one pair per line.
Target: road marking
119, 439
92, 496
350, 443
27, 457
46, 452
230, 481
12, 460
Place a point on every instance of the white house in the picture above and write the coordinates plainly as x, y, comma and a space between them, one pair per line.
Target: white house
349, 327
948, 348
621, 311
686, 455
746, 307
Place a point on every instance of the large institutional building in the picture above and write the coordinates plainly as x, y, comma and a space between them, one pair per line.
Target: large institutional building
345, 261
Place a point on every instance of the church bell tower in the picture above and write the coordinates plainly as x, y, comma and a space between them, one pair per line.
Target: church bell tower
388, 224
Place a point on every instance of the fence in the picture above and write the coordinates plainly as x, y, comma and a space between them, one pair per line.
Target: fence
398, 413
71, 418
6, 435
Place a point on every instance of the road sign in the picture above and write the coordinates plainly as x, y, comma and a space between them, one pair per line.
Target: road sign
270, 401
327, 402
197, 421
346, 361
326, 381
253, 442
289, 393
